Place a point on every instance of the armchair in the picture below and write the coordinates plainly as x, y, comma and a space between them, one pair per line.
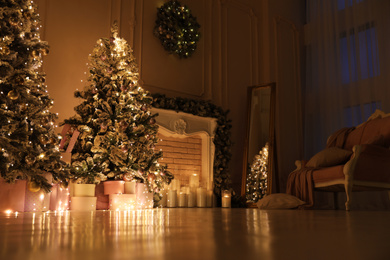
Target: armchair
355, 159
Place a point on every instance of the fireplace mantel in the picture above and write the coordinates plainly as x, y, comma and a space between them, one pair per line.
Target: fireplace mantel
180, 125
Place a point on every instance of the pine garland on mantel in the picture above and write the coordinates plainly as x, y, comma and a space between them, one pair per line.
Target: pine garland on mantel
221, 140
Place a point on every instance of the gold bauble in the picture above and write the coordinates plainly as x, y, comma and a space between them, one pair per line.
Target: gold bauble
127, 177
35, 53
29, 159
43, 139
63, 185
53, 140
33, 186
13, 95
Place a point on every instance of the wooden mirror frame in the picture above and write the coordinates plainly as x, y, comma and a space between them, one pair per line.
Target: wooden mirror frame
271, 151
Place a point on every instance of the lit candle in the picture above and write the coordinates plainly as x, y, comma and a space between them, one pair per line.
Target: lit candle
194, 180
191, 199
226, 199
171, 202
201, 197
175, 185
182, 200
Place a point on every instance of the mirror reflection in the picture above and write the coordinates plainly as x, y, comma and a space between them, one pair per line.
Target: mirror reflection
259, 159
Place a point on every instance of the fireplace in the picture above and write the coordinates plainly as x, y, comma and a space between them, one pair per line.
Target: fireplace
187, 144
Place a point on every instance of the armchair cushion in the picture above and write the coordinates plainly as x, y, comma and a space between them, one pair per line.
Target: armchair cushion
329, 157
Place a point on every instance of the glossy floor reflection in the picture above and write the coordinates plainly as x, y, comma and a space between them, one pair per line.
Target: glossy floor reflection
196, 234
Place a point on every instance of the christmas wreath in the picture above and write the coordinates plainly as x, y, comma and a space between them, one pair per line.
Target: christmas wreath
177, 29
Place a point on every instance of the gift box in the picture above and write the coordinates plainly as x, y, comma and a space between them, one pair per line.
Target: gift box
12, 195
65, 133
102, 199
83, 203
122, 201
38, 200
144, 197
59, 198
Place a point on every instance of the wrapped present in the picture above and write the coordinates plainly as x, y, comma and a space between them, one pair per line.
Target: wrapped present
83, 203
114, 187
143, 196
102, 199
69, 138
37, 200
59, 198
122, 201
12, 195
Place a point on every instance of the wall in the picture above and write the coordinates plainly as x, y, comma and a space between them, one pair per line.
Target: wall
236, 50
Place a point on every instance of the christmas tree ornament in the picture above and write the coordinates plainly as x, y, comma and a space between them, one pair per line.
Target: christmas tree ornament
29, 159
33, 186
43, 139
151, 177
127, 177
13, 95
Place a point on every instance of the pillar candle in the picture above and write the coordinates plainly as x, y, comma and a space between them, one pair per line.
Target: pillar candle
191, 202
201, 197
194, 180
175, 185
210, 196
182, 200
226, 199
171, 202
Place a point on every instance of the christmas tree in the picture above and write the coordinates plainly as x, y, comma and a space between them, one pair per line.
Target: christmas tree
28, 142
256, 182
118, 132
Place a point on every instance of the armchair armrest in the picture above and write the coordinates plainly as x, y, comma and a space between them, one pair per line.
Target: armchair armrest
300, 164
369, 163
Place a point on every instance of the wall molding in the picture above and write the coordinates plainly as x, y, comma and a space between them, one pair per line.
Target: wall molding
204, 91
224, 6
296, 84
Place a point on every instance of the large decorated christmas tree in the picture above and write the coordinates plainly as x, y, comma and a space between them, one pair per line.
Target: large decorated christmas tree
118, 132
28, 142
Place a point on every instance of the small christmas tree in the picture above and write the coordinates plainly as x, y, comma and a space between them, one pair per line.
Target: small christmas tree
256, 183
28, 142
118, 132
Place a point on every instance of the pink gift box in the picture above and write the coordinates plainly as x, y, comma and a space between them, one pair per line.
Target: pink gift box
102, 200
36, 201
144, 198
114, 187
12, 195
59, 198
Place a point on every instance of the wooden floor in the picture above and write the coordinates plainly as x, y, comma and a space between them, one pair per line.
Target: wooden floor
196, 234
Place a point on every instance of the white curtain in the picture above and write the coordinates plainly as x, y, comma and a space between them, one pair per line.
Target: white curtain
348, 66
348, 72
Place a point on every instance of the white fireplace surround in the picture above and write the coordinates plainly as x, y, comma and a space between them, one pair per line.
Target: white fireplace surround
181, 125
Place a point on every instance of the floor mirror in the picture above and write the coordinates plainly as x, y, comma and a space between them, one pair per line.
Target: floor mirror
259, 153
